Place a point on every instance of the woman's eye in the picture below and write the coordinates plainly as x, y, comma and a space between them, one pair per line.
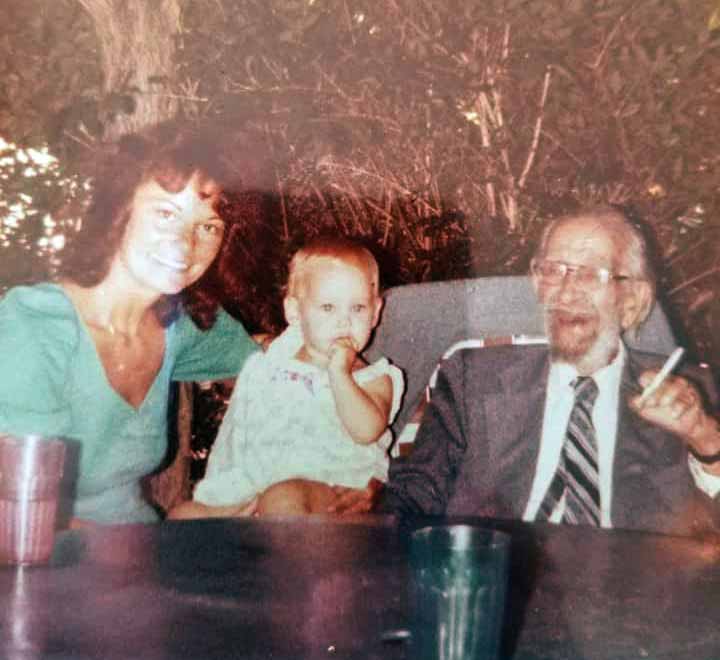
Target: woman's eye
326, 307
359, 309
211, 229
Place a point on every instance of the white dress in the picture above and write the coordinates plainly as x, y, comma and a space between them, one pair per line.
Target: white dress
281, 423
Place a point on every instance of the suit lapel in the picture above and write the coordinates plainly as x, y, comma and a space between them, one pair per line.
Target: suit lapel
515, 416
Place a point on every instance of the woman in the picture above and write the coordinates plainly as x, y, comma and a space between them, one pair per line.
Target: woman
90, 357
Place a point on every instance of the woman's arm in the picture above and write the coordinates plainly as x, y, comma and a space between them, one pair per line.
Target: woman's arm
214, 354
191, 509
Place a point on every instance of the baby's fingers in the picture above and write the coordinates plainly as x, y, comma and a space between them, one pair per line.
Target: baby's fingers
344, 343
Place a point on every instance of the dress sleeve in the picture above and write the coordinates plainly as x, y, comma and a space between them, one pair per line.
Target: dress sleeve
37, 337
383, 367
213, 354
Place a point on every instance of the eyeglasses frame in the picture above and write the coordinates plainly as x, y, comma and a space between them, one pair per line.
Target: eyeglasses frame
604, 275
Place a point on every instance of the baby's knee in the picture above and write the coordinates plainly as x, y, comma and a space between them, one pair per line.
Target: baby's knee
287, 498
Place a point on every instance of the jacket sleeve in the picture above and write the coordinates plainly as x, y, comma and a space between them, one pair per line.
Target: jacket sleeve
422, 482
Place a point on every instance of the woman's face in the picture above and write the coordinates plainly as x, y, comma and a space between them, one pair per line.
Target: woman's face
171, 237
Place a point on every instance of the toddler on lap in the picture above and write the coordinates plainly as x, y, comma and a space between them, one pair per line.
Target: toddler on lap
310, 413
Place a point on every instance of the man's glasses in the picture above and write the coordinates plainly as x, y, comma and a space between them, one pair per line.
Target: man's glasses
588, 277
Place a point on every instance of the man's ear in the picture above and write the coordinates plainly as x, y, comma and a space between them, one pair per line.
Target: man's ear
291, 306
378, 308
636, 304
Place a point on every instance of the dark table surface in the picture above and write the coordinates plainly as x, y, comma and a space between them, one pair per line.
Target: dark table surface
320, 588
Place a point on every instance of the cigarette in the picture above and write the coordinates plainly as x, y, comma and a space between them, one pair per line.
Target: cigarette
662, 374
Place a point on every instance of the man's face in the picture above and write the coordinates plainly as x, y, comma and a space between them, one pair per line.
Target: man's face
584, 320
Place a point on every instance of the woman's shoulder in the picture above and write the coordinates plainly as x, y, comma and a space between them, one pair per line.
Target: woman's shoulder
37, 303
39, 310
38, 343
39, 337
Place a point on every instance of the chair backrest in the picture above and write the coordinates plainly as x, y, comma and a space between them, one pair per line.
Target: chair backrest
421, 321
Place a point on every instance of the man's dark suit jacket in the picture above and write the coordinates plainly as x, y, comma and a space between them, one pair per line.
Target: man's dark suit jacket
477, 447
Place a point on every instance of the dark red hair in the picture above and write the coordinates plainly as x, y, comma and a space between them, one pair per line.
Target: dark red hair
170, 154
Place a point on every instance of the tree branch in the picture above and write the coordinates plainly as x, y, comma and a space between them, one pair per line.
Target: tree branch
536, 134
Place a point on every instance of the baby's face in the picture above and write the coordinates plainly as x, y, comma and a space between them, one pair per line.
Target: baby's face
336, 301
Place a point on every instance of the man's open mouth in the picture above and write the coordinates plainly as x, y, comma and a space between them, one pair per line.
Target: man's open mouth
569, 318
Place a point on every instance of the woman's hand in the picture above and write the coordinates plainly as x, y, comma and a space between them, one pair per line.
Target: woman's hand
246, 509
192, 510
264, 339
356, 500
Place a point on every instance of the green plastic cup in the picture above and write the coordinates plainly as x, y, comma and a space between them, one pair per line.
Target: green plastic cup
459, 583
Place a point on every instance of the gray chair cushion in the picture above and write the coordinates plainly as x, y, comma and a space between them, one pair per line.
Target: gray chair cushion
421, 321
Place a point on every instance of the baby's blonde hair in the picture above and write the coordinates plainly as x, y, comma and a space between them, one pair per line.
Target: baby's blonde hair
333, 249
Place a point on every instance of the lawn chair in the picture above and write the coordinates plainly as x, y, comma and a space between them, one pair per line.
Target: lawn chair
421, 323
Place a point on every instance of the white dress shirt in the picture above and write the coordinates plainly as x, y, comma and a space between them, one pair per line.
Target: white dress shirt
559, 402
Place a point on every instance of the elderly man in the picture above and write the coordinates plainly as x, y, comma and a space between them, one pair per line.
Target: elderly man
560, 432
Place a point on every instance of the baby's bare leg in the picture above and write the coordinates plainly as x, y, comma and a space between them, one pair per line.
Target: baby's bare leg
295, 497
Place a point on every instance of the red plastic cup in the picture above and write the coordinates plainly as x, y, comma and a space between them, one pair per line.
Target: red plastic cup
31, 468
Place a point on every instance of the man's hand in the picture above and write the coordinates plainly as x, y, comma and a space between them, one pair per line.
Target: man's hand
677, 407
356, 500
342, 355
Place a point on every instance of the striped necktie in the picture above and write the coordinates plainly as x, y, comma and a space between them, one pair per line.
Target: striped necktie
577, 473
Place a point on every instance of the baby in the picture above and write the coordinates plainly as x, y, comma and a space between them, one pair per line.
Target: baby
309, 413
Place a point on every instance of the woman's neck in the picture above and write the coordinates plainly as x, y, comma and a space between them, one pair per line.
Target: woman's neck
105, 309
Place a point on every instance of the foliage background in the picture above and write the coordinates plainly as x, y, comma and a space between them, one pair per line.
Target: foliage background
444, 132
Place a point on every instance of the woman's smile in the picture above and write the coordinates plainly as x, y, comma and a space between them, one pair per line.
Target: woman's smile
170, 262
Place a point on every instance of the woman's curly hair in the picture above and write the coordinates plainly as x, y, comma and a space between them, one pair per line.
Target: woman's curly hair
170, 154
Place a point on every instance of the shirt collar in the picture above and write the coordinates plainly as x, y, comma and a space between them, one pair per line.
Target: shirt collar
608, 378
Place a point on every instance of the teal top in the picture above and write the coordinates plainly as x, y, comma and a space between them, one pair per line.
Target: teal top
53, 383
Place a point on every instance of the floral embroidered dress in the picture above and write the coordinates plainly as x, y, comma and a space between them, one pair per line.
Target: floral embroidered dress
282, 423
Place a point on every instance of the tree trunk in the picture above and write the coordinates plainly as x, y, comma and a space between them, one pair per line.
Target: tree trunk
137, 46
